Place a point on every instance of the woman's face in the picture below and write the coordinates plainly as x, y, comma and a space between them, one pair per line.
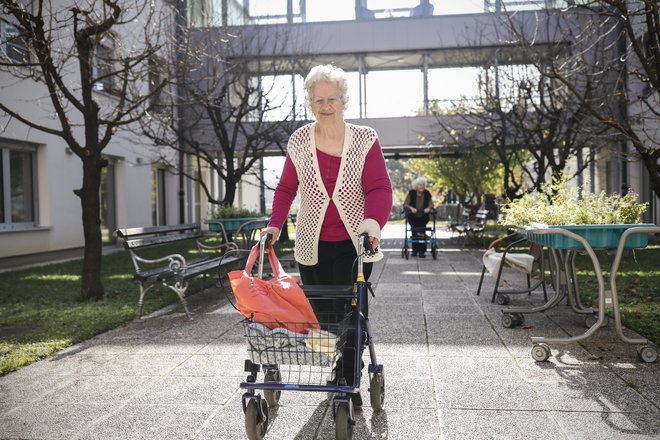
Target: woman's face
420, 187
326, 103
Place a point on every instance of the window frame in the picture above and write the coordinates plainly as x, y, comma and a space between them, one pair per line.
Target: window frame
103, 69
13, 45
6, 221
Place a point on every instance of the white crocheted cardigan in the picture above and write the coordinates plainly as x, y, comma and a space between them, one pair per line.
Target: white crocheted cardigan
348, 195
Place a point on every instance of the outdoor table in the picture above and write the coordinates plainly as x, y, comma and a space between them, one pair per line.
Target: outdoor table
245, 228
564, 244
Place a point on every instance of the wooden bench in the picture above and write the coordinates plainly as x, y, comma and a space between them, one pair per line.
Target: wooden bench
174, 270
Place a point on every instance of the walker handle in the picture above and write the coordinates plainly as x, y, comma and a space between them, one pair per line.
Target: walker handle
366, 244
262, 250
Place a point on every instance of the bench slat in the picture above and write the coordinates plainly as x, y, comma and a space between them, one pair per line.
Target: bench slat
193, 268
138, 243
131, 233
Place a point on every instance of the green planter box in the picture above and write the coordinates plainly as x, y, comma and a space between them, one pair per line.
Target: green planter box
232, 224
598, 237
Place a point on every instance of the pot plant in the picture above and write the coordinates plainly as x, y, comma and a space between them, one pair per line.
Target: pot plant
599, 218
231, 218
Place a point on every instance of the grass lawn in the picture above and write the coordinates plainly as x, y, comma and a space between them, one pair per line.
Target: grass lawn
41, 311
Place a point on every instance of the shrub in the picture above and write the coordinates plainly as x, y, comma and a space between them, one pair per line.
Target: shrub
230, 211
556, 204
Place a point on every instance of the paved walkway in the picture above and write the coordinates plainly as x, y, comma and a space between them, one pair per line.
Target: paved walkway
452, 372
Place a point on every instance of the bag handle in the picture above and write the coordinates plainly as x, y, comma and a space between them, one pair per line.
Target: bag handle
275, 264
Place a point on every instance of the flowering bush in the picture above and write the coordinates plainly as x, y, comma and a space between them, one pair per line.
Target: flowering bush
229, 211
555, 204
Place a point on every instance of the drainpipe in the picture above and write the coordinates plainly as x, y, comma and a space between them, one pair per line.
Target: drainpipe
180, 25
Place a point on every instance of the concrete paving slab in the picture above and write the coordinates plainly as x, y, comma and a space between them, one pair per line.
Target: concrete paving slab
149, 422
99, 389
608, 425
191, 390
51, 421
592, 391
483, 384
498, 424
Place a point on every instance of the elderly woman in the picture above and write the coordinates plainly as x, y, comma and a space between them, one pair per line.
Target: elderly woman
345, 190
418, 207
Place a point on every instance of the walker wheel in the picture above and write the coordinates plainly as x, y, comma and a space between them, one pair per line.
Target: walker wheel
540, 352
377, 391
256, 422
647, 354
502, 300
343, 424
273, 396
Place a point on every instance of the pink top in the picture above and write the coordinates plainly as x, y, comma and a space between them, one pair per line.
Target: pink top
375, 181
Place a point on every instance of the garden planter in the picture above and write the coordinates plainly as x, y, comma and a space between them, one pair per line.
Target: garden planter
598, 236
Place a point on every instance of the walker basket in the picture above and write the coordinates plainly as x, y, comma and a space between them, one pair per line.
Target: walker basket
299, 343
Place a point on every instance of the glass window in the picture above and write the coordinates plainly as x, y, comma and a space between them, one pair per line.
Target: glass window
205, 13
17, 185
521, 5
155, 80
323, 10
281, 93
104, 66
441, 7
240, 12
13, 44
395, 8
158, 196
385, 97
449, 87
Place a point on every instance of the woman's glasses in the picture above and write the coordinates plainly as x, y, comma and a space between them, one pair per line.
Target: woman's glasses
322, 102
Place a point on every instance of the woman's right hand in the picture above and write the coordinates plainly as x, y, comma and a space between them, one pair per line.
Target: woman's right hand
413, 210
271, 230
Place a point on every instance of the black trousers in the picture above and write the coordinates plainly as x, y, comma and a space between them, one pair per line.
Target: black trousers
418, 230
337, 265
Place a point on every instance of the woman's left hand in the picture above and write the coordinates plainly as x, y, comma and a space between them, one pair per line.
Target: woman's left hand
374, 242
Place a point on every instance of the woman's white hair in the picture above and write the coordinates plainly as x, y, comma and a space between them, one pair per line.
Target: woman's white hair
329, 73
417, 181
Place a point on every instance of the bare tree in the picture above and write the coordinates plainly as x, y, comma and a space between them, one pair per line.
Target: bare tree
615, 43
234, 113
94, 80
522, 122
553, 126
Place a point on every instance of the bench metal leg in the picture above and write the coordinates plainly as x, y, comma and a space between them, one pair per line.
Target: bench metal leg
180, 289
143, 292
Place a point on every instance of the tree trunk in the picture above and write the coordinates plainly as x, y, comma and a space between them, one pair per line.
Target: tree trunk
230, 192
92, 286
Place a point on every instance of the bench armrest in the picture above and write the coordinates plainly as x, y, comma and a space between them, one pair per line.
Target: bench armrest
176, 262
227, 247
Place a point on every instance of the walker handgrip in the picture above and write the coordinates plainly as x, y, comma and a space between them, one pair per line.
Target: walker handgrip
366, 244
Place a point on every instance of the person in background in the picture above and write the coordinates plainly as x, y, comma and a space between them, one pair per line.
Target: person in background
423, 9
418, 206
345, 190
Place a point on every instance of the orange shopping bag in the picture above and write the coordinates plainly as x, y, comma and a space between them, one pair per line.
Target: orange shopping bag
278, 302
